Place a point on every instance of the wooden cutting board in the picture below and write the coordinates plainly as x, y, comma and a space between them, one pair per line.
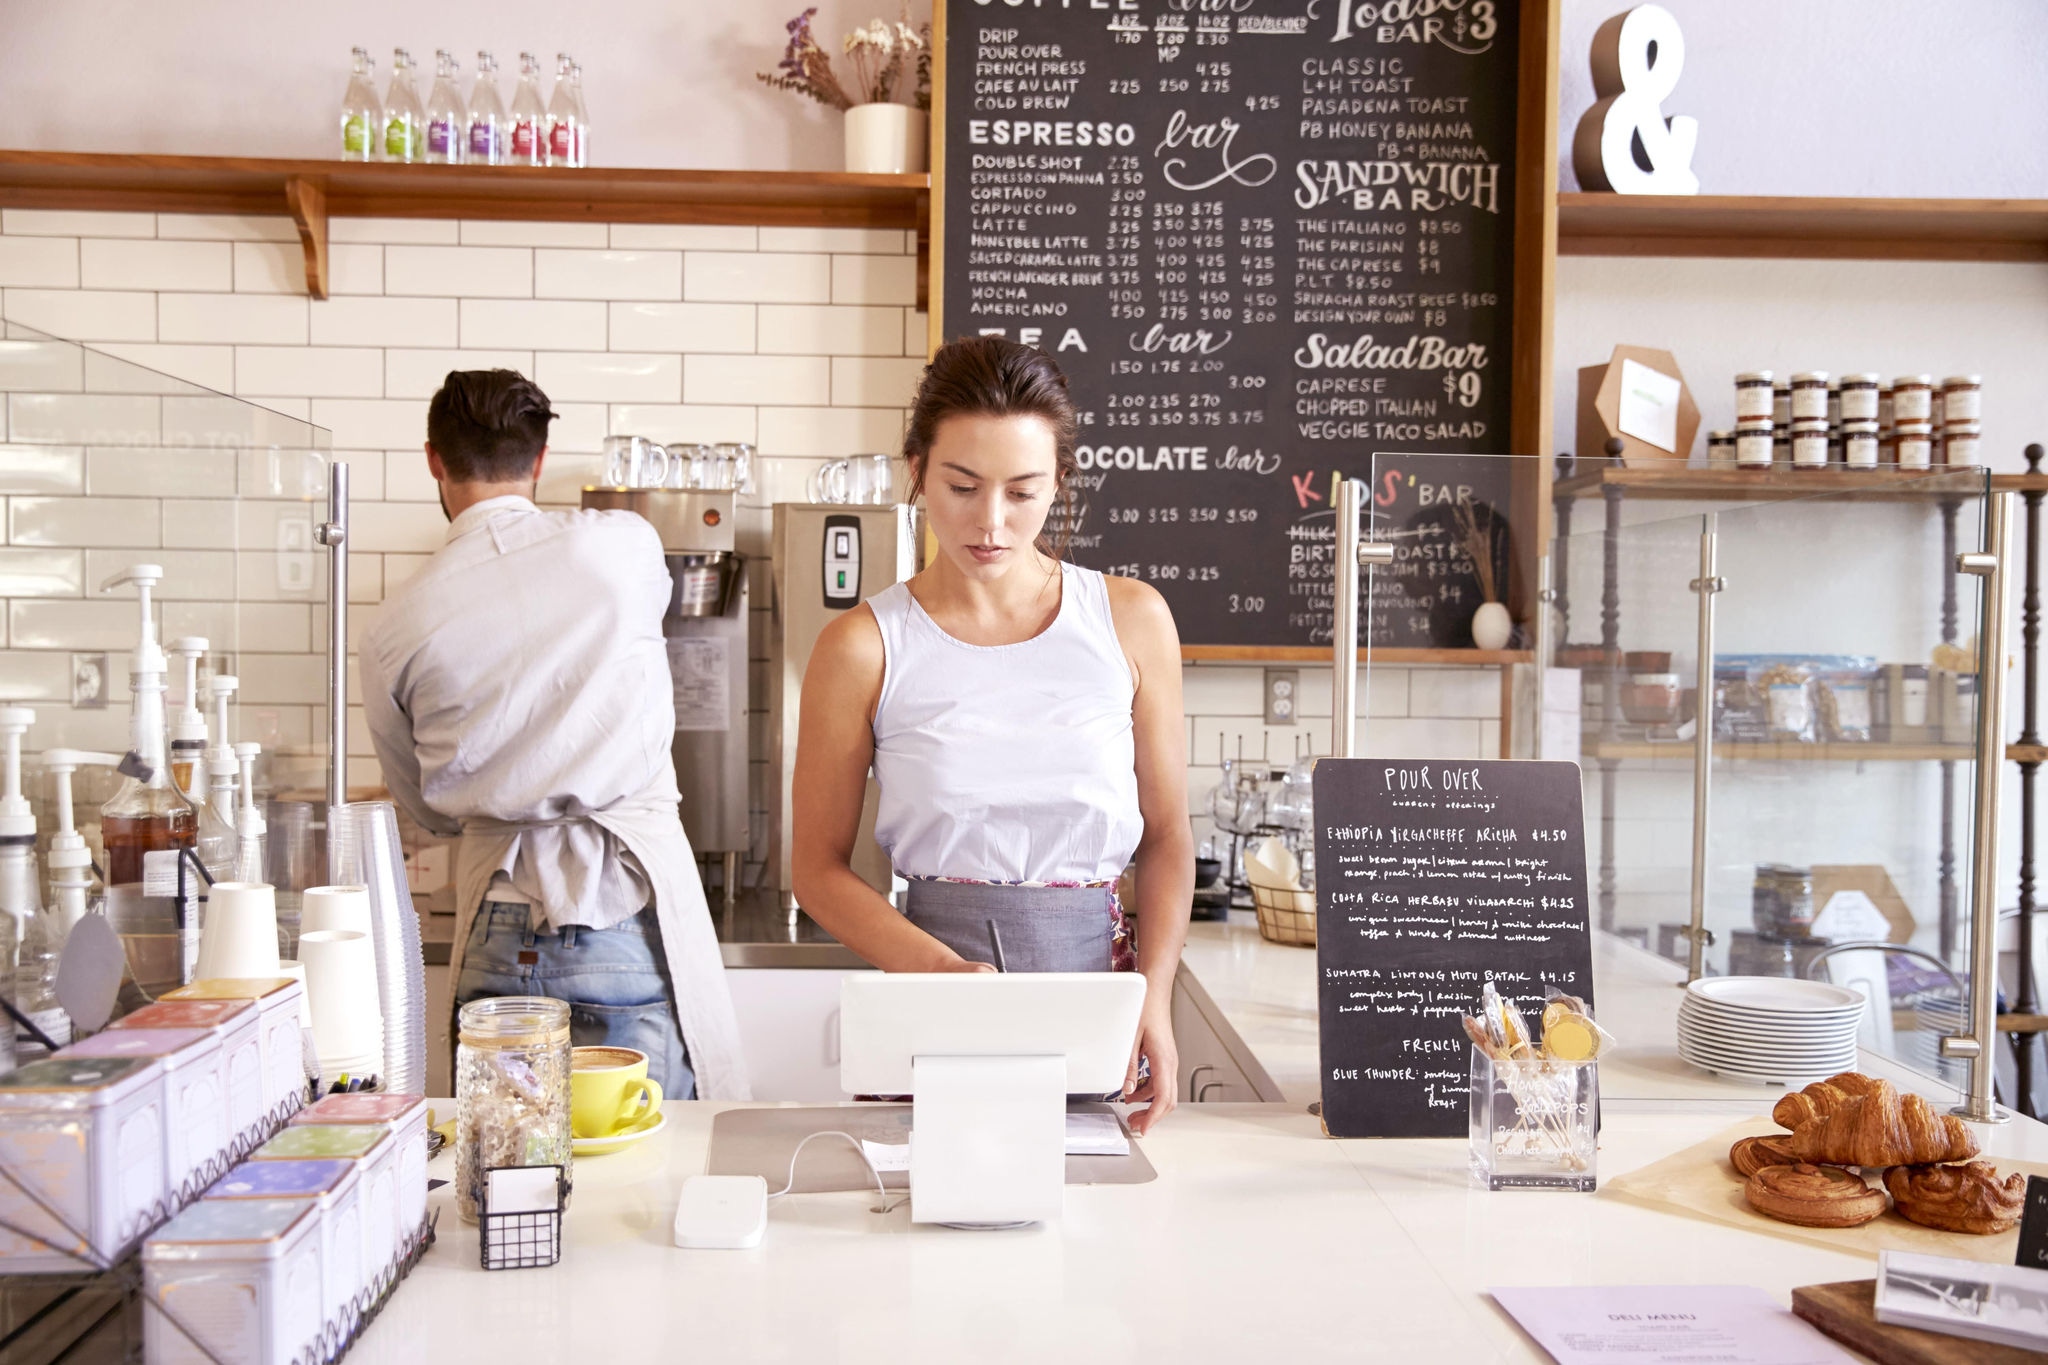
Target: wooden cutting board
1699, 1183
1844, 1311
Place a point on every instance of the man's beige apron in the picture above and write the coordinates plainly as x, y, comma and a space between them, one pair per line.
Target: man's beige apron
696, 969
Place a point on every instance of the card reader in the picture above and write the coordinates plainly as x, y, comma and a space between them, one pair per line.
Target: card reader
722, 1212
842, 562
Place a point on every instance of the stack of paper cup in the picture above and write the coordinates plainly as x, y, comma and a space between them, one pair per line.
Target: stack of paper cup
341, 986
334, 907
239, 934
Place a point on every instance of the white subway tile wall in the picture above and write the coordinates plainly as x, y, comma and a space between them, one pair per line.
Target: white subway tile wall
805, 341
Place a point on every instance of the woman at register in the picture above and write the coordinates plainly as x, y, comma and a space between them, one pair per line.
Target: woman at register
1022, 717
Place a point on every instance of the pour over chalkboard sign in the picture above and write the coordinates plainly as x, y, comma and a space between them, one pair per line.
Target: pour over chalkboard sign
1433, 877
1264, 239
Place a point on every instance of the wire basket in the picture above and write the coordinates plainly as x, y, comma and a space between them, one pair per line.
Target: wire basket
1285, 916
520, 1238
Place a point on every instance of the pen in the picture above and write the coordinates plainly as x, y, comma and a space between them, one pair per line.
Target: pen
995, 941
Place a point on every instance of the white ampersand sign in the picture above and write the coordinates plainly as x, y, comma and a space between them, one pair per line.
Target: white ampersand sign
1625, 143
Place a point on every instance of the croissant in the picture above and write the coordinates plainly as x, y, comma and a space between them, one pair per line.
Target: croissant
1813, 1196
1822, 1097
1882, 1128
1752, 1154
1959, 1198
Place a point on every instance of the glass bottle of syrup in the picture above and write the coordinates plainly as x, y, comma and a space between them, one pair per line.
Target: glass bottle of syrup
146, 826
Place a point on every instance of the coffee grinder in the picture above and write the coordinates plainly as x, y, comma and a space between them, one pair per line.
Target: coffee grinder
705, 630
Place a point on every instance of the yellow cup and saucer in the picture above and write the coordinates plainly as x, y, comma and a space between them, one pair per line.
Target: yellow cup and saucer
612, 1103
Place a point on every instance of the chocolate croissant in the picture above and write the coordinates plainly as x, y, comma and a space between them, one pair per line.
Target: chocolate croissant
1821, 1098
1813, 1196
1968, 1198
1882, 1128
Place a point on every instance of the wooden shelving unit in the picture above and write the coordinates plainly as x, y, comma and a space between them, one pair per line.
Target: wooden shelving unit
1802, 228
314, 191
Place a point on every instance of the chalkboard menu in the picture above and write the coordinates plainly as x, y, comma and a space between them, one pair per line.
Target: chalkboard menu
1433, 878
1265, 239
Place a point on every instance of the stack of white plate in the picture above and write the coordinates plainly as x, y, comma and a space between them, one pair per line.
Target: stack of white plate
1772, 1030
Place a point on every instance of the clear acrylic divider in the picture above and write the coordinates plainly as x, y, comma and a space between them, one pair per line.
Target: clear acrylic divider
106, 462
1839, 812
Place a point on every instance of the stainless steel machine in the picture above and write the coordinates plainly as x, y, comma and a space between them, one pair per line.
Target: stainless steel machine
706, 633
828, 557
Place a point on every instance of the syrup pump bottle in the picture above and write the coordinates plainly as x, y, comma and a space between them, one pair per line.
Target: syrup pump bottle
148, 824
40, 938
70, 861
188, 727
217, 814
251, 829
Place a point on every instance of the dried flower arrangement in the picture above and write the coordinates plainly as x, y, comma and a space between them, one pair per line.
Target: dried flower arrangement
1475, 525
879, 52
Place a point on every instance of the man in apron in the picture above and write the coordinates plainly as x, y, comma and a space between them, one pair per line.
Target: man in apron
518, 694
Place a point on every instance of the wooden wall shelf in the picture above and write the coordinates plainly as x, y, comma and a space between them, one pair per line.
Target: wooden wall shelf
1772, 485
314, 191
1802, 228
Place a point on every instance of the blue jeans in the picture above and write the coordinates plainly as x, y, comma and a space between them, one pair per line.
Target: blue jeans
615, 980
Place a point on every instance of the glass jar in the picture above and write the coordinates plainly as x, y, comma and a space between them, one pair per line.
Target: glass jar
1834, 402
1753, 443
1781, 403
1962, 398
511, 1090
1885, 414
1913, 398
1752, 394
1810, 396
1781, 900
1859, 445
1859, 398
1720, 450
1810, 443
1913, 443
1963, 443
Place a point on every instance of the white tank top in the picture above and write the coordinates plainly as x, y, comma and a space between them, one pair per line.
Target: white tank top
1007, 763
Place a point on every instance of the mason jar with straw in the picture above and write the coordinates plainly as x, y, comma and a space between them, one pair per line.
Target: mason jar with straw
511, 1090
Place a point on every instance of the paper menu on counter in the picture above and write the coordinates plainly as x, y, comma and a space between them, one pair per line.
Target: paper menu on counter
1729, 1324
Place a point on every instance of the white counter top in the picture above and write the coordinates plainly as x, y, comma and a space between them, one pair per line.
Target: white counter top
1260, 1235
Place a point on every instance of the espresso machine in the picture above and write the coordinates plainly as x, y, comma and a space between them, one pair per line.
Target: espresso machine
828, 558
705, 630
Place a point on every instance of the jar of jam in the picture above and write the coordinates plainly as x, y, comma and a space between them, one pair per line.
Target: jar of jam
1753, 443
1913, 398
1720, 450
1781, 403
1859, 445
1810, 396
1859, 398
1810, 443
1752, 394
1963, 443
1962, 398
1913, 444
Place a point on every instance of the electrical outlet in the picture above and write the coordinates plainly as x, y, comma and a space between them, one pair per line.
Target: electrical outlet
295, 554
89, 682
1283, 695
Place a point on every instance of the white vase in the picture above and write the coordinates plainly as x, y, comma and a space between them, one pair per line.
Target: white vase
1492, 627
885, 139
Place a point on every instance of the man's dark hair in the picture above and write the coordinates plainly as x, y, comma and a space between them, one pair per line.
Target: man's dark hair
488, 426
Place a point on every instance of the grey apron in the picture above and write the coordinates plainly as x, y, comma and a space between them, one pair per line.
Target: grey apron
1044, 928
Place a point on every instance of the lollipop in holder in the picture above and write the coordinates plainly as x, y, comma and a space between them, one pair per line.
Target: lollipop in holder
1534, 1100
